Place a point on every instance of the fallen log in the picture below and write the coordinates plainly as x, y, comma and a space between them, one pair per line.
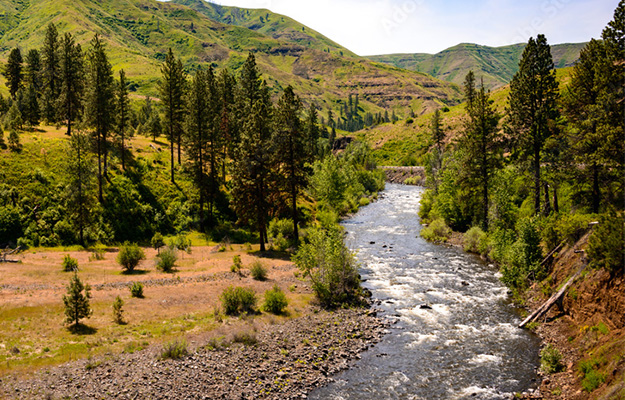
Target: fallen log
555, 299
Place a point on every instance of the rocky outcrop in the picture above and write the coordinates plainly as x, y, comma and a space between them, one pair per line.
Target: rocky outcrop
405, 175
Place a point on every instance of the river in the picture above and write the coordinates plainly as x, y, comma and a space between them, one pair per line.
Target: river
455, 335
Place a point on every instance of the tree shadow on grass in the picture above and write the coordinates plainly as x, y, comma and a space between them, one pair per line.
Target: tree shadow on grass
273, 255
81, 329
135, 272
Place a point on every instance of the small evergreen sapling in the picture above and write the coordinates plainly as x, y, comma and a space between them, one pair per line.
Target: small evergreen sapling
118, 312
76, 302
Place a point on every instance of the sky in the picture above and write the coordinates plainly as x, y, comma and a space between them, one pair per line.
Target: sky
369, 27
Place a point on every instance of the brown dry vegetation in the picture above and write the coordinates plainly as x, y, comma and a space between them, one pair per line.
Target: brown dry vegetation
591, 326
32, 333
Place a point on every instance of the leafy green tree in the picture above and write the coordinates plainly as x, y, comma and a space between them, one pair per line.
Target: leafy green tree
80, 199
171, 87
50, 73
70, 82
129, 256
330, 266
123, 113
480, 144
76, 303
533, 106
99, 104
292, 149
13, 72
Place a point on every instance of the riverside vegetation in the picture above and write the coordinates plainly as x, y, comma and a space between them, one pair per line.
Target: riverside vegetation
534, 180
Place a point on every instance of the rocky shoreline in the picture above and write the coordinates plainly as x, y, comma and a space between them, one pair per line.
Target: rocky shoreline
273, 361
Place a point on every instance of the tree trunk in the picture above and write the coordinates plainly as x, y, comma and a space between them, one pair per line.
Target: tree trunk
171, 141
556, 206
596, 192
536, 178
547, 209
100, 197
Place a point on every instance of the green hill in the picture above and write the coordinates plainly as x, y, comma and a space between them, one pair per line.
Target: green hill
138, 34
496, 65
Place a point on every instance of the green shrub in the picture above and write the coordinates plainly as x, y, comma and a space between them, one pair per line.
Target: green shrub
235, 300
363, 201
551, 360
437, 231
167, 260
247, 338
181, 242
69, 264
118, 312
279, 226
129, 256
157, 241
258, 271
136, 290
97, 253
327, 218
330, 266
591, 377
275, 300
236, 264
605, 246
475, 240
174, 350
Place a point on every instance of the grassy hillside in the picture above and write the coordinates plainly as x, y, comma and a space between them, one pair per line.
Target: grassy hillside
496, 65
138, 34
405, 142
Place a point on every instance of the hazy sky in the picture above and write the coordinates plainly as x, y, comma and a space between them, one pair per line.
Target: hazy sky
370, 27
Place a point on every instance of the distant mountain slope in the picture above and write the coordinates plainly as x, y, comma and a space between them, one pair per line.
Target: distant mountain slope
138, 34
496, 65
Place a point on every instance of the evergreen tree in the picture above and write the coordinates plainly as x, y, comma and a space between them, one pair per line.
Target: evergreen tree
123, 113
70, 81
251, 173
532, 108
197, 125
33, 70
13, 72
80, 200
99, 105
31, 107
215, 140
171, 87
292, 149
228, 128
77, 303
312, 131
50, 73
479, 144
437, 135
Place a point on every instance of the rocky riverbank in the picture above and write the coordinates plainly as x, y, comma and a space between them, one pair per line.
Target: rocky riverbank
242, 359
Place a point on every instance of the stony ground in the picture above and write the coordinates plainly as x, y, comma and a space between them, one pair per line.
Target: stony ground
280, 361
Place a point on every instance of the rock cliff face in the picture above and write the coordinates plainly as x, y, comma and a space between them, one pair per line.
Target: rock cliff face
405, 175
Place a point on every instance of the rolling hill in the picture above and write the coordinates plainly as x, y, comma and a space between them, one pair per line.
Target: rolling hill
496, 65
138, 34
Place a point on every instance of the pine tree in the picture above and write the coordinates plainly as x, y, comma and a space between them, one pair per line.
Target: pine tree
532, 108
31, 107
13, 72
437, 135
215, 140
50, 73
228, 128
312, 131
251, 173
171, 87
77, 303
480, 145
70, 81
80, 199
99, 105
33, 70
292, 149
123, 113
197, 125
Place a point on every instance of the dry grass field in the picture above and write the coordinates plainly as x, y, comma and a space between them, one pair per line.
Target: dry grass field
182, 303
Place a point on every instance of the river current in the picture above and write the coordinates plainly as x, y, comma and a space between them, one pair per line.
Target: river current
455, 334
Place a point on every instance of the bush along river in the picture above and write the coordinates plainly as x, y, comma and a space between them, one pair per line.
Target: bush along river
455, 332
